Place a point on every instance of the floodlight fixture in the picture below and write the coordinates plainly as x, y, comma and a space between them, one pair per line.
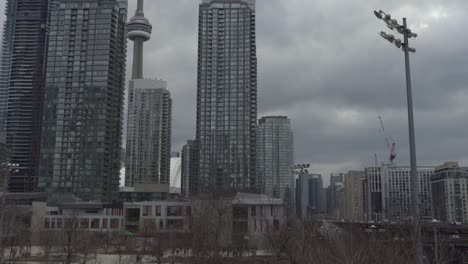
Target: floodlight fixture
378, 14
397, 43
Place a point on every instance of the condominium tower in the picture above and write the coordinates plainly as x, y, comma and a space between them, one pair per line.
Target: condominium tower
149, 118
83, 103
309, 195
22, 77
449, 188
389, 192
227, 95
189, 169
148, 133
275, 156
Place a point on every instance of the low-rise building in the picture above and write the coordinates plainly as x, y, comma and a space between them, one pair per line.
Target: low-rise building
238, 217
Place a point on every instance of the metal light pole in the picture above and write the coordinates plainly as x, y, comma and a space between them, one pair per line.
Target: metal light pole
415, 197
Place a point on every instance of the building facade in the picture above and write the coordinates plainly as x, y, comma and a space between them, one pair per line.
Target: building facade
396, 192
83, 102
309, 188
235, 216
227, 95
449, 187
189, 169
335, 196
22, 80
373, 181
353, 196
148, 133
275, 156
389, 192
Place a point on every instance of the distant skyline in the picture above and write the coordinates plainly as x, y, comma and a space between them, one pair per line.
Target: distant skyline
322, 64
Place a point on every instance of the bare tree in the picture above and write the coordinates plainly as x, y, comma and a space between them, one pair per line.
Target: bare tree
211, 223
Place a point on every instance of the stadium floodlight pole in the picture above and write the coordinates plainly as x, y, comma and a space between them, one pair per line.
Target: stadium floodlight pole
415, 197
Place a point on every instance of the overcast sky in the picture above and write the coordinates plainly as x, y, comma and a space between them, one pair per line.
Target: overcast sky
321, 63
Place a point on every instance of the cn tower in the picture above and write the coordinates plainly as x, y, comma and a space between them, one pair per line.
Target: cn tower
139, 31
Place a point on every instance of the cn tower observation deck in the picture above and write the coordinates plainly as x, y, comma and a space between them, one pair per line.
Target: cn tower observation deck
139, 30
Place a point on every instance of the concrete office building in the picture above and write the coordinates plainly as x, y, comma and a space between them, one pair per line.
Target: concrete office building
227, 95
449, 187
353, 196
22, 80
83, 102
275, 157
149, 118
309, 188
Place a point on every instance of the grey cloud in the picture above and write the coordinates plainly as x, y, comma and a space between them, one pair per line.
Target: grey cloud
322, 64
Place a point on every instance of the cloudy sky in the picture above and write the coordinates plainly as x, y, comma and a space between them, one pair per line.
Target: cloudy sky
322, 64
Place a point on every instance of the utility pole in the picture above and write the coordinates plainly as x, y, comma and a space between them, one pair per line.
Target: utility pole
415, 197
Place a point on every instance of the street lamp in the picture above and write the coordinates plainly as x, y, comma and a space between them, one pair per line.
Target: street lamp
415, 198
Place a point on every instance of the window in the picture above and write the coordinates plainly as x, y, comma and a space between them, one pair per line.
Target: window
114, 223
84, 223
158, 210
147, 210
59, 222
174, 211
104, 223
47, 223
95, 223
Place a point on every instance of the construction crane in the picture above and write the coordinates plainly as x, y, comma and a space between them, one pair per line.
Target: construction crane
391, 147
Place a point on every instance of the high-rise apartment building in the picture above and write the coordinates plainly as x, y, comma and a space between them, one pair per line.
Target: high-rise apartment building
309, 188
335, 196
353, 196
149, 118
374, 193
22, 78
227, 95
396, 192
148, 133
83, 103
389, 192
275, 156
189, 169
449, 187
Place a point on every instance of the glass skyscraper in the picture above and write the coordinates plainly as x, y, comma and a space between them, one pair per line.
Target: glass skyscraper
227, 95
275, 156
189, 169
148, 133
83, 103
22, 77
